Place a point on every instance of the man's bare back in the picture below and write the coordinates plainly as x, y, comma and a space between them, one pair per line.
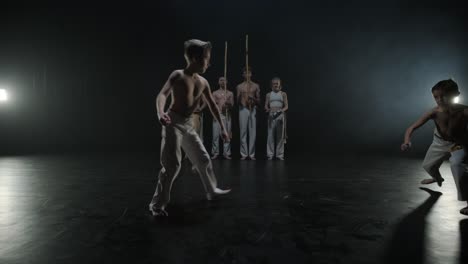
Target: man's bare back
187, 91
248, 94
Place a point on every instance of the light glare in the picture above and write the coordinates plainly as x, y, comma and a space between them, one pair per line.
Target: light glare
3, 95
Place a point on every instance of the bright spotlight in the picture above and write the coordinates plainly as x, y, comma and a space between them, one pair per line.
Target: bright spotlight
456, 99
3, 95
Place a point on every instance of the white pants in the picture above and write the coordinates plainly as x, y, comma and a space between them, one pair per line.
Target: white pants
179, 135
217, 132
275, 135
247, 123
197, 120
197, 124
435, 156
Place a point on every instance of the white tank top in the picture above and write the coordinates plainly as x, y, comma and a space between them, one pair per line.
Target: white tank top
276, 99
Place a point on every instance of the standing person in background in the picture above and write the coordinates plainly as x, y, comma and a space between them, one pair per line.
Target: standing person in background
276, 104
224, 99
248, 96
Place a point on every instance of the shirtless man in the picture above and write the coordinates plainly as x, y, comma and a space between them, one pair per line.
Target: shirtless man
450, 138
187, 88
276, 104
248, 96
225, 101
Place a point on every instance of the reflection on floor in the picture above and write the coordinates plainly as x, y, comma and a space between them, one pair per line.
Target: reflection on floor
93, 209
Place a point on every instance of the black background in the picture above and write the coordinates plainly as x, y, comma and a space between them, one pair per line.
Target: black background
357, 74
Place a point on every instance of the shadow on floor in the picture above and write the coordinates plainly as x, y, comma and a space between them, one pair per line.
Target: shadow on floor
407, 244
464, 241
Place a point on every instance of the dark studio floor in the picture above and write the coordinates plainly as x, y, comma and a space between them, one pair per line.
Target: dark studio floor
93, 209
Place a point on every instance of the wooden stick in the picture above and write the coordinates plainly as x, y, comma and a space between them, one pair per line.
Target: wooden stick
247, 56
247, 66
225, 58
225, 74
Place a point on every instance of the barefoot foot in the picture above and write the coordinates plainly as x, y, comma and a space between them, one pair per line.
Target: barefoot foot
158, 211
432, 180
216, 193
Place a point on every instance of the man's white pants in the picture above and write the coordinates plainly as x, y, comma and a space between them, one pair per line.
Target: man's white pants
435, 156
197, 119
175, 137
275, 135
247, 123
197, 124
217, 132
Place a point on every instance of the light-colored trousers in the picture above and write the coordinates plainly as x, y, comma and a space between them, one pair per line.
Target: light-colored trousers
180, 135
275, 135
197, 119
247, 123
217, 132
435, 156
197, 123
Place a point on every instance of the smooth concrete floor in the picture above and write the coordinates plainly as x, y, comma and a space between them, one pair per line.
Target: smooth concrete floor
329, 209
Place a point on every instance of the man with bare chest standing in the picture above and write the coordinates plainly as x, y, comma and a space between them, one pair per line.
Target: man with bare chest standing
225, 101
248, 96
187, 88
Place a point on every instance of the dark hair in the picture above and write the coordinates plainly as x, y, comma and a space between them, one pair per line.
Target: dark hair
446, 86
276, 79
195, 48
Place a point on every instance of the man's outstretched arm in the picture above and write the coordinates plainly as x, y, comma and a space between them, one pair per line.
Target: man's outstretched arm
409, 131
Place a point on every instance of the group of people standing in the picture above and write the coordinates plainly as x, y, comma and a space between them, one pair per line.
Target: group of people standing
248, 98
